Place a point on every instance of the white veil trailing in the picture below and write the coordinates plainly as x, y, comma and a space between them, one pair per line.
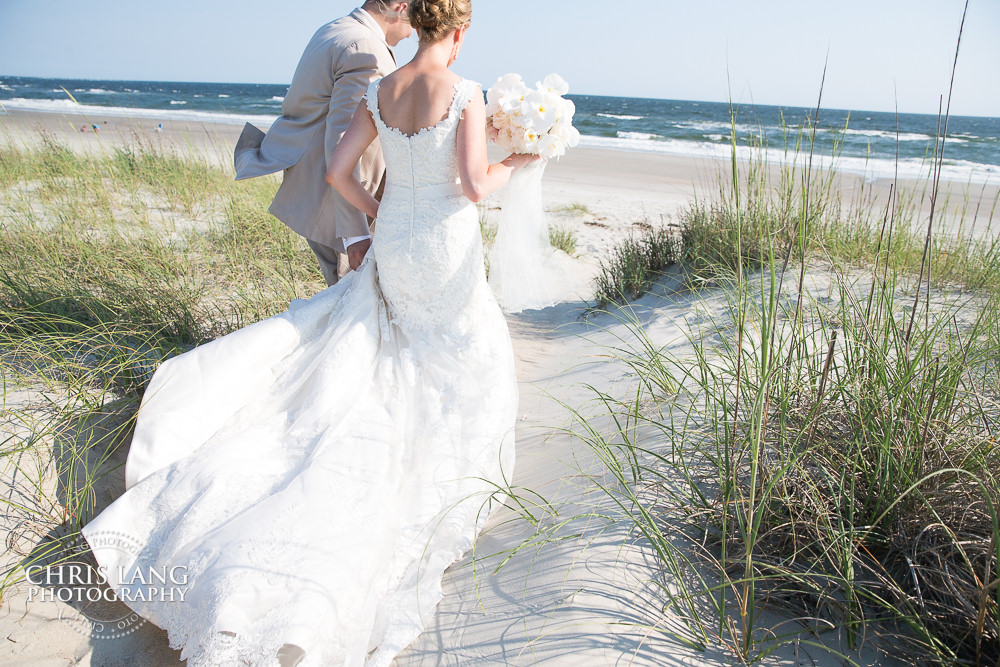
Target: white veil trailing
525, 271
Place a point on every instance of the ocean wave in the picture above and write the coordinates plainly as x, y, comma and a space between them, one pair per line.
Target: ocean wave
869, 168
223, 95
886, 134
669, 146
718, 127
638, 135
178, 101
277, 98
704, 125
70, 107
94, 91
620, 116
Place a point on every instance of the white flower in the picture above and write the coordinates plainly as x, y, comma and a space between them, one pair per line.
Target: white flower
568, 109
507, 88
551, 146
527, 140
574, 137
541, 111
555, 84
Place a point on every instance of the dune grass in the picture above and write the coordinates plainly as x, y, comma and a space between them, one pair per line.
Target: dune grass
820, 468
575, 208
811, 474
829, 451
562, 238
111, 262
752, 214
634, 265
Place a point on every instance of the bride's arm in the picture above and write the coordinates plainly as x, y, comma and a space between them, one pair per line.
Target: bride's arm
340, 173
479, 177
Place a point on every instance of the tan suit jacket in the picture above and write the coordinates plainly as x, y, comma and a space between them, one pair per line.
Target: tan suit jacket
342, 58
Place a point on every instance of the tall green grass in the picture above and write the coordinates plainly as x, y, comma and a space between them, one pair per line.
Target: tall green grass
820, 469
635, 264
109, 263
833, 472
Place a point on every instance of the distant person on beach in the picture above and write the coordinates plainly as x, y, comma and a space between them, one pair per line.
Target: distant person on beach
342, 58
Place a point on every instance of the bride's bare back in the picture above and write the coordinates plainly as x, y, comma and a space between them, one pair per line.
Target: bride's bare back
416, 97
411, 100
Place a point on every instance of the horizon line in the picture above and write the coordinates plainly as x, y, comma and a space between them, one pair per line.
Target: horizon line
660, 99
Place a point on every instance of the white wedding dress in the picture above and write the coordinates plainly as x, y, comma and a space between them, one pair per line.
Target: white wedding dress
316, 472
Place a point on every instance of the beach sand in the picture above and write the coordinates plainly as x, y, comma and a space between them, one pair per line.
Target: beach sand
590, 597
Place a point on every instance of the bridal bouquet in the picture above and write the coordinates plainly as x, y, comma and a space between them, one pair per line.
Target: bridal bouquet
537, 121
526, 272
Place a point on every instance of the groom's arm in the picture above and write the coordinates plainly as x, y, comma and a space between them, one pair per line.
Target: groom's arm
356, 67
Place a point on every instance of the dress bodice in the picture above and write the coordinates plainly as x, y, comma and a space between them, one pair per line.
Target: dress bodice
427, 158
427, 241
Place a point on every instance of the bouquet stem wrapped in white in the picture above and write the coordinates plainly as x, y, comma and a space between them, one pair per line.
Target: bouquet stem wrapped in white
525, 271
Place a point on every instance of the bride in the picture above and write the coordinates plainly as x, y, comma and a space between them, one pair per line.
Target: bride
314, 474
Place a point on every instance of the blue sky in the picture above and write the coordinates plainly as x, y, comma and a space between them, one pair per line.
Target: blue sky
763, 51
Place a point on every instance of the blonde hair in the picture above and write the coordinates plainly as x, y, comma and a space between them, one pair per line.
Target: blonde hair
434, 19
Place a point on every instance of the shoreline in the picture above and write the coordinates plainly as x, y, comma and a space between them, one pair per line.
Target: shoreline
670, 139
600, 193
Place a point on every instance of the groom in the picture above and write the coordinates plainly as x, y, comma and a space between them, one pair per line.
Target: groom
342, 58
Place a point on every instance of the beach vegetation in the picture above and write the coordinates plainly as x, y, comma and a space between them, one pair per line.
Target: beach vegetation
817, 466
562, 238
112, 261
635, 264
576, 209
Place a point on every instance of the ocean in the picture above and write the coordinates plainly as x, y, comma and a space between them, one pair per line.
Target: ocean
875, 144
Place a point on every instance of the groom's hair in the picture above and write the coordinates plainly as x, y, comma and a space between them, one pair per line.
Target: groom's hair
379, 6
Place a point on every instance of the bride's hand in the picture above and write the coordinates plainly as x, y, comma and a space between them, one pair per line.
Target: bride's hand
519, 160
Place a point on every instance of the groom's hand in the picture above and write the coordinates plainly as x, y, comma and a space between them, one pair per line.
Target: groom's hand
356, 253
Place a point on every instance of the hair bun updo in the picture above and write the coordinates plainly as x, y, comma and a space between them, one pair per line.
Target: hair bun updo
433, 19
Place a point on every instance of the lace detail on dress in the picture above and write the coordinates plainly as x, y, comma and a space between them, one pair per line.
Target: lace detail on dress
432, 259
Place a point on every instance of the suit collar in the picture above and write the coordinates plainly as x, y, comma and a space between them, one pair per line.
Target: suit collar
366, 19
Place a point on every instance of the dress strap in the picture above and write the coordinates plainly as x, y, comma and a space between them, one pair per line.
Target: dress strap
464, 91
371, 99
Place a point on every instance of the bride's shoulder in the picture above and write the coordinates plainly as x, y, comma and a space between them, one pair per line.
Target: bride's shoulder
467, 90
469, 84
373, 86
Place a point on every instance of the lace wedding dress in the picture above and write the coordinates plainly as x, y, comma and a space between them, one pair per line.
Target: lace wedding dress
316, 472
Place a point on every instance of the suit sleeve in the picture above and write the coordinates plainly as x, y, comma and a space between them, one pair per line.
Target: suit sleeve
357, 67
